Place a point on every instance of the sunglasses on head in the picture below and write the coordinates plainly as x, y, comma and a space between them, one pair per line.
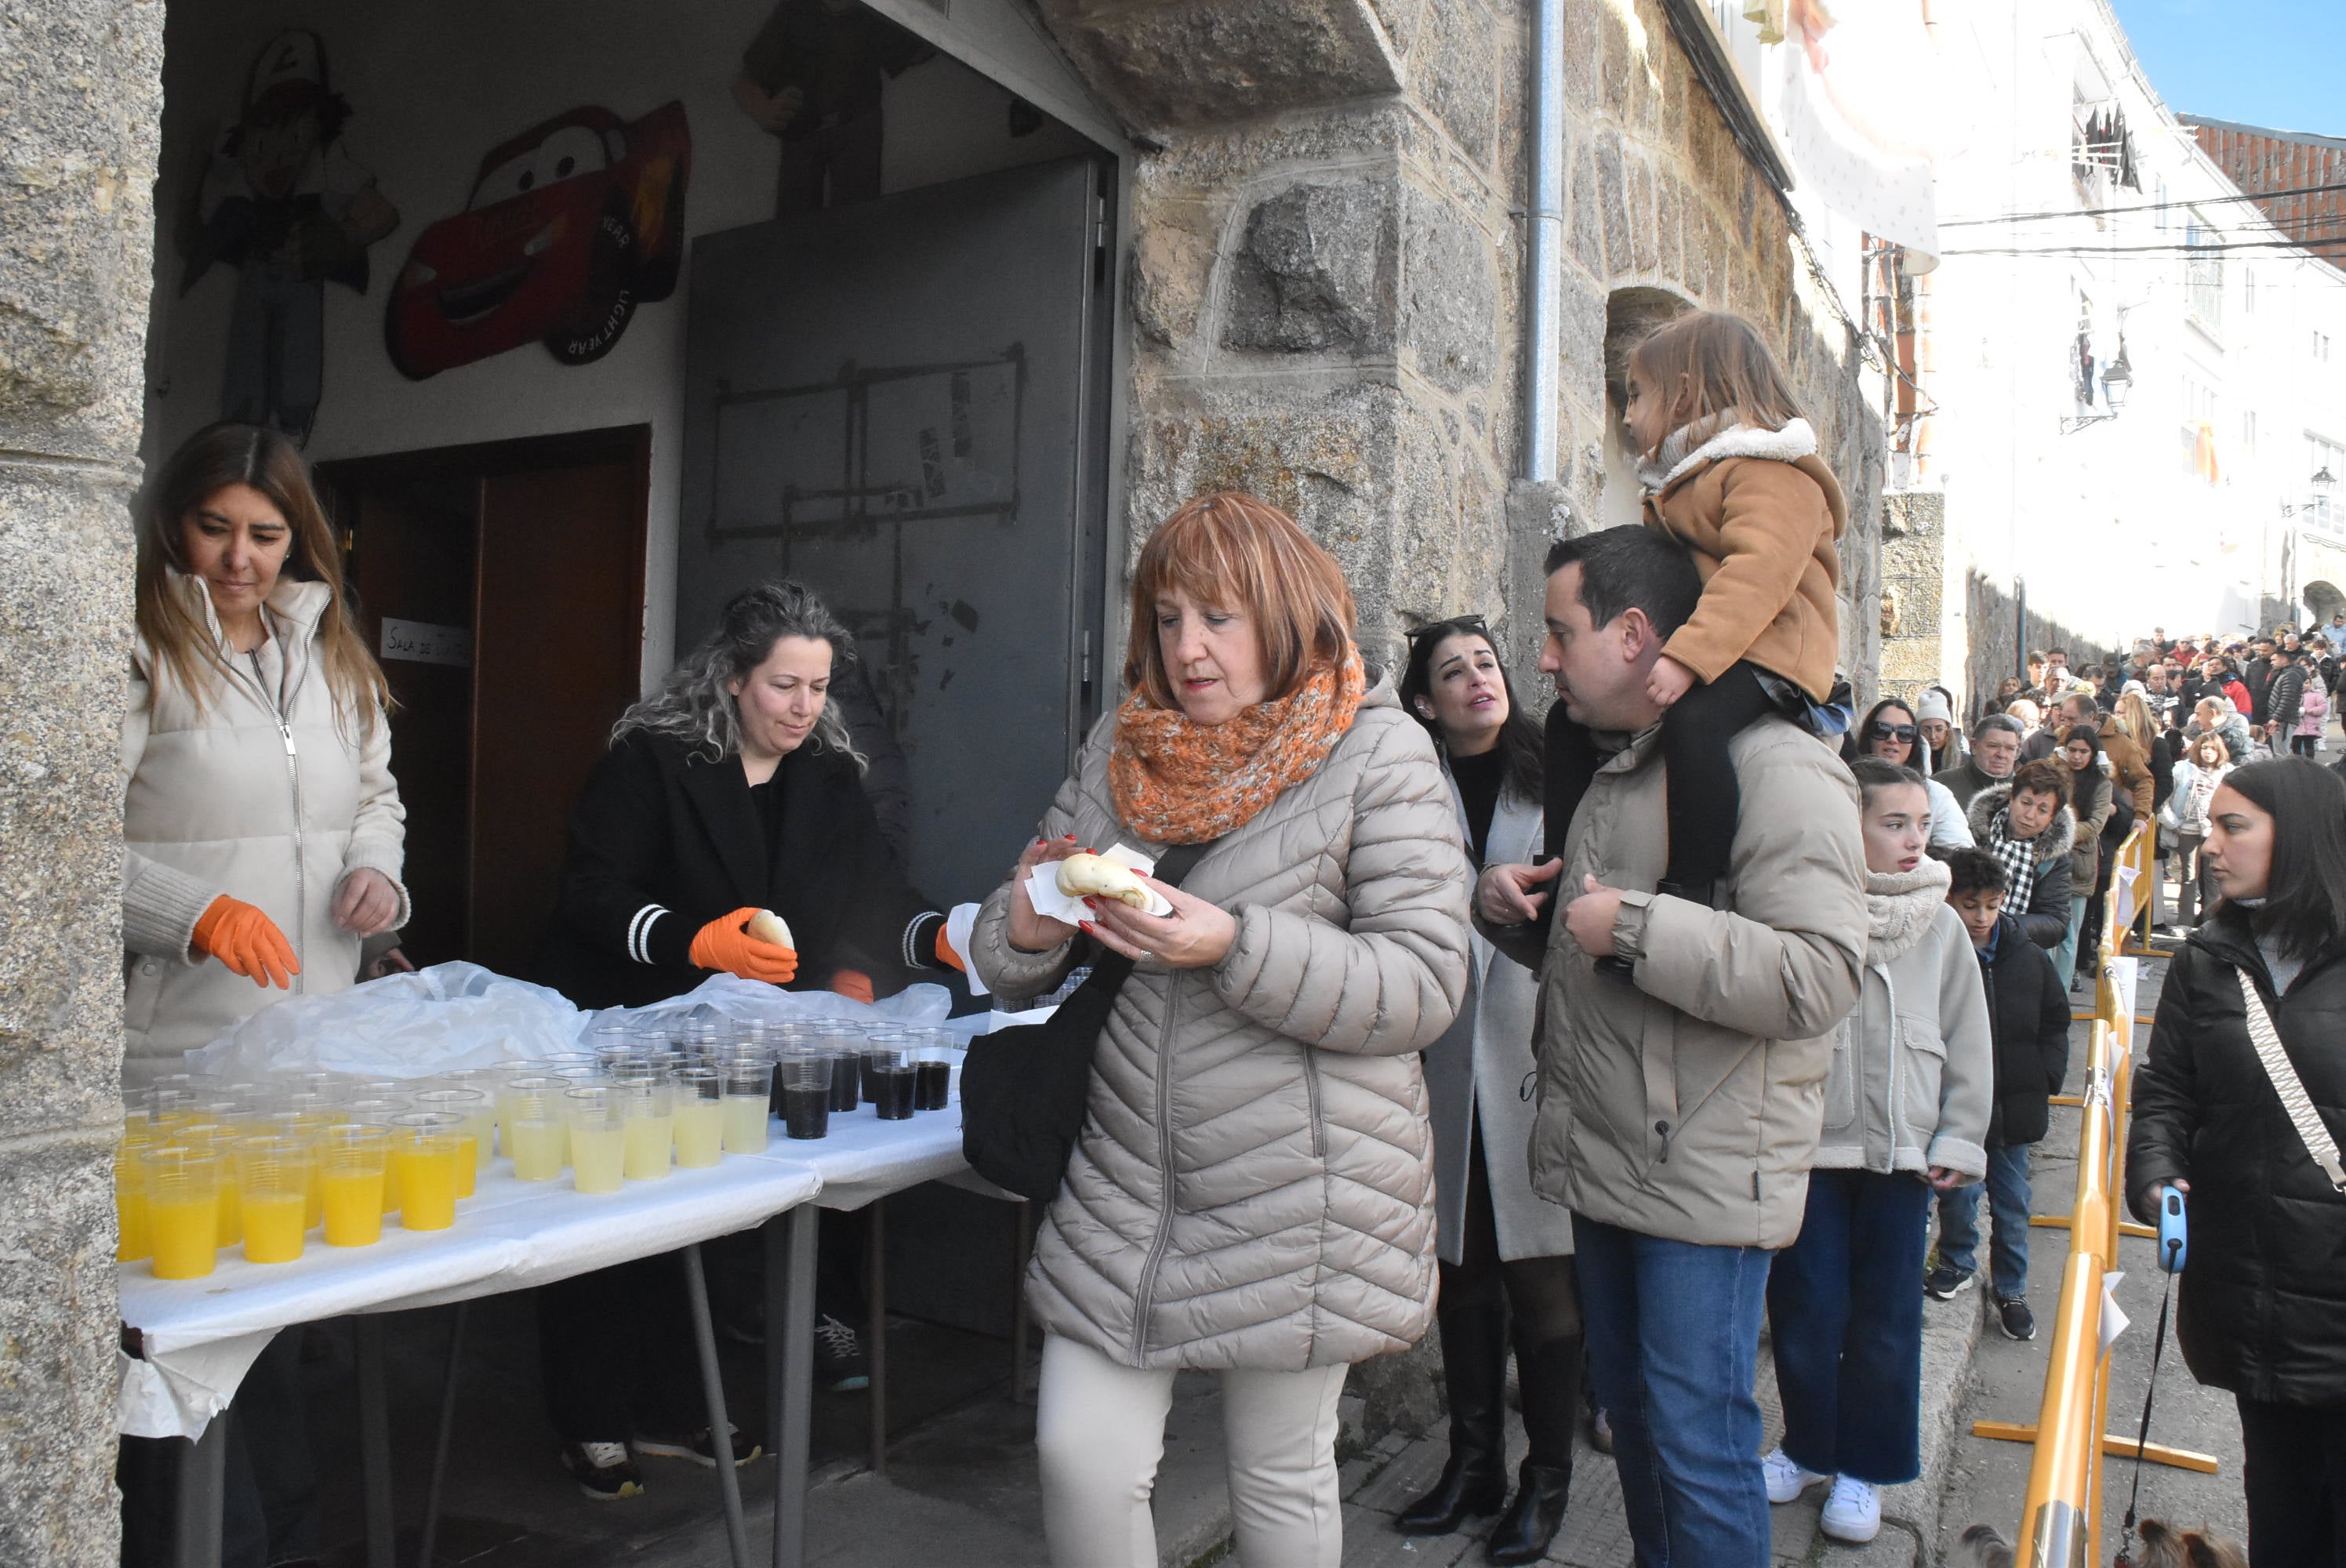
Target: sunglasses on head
1455, 626
1885, 731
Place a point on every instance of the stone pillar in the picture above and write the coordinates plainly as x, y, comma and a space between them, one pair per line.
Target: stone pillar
82, 79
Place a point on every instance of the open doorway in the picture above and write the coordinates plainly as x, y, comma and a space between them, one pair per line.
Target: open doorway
498, 583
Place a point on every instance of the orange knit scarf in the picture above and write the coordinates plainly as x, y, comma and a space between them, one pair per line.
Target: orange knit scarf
1175, 782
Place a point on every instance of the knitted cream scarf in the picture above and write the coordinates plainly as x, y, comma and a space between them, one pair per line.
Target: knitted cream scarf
1177, 781
1901, 906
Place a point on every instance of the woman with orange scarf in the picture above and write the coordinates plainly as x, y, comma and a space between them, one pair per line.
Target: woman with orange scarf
1252, 1191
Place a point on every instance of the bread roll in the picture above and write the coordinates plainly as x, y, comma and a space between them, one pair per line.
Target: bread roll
768, 926
1097, 876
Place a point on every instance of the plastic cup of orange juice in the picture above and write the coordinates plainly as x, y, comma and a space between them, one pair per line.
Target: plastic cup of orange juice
353, 1162
426, 1151
273, 1178
182, 1209
132, 1240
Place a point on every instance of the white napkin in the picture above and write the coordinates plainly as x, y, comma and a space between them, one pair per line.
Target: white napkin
1043, 888
960, 920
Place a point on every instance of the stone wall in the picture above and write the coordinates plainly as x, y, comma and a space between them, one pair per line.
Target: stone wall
82, 82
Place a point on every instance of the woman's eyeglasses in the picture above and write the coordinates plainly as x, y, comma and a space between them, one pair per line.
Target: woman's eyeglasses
1883, 729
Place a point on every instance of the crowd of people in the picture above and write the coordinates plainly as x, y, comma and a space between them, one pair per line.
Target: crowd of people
1599, 1042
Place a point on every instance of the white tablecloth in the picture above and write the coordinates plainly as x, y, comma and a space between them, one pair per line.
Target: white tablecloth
200, 1335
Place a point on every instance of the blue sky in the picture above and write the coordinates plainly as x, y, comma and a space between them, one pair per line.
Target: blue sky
2264, 62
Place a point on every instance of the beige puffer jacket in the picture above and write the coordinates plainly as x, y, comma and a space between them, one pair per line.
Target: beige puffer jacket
1254, 1187
258, 794
1685, 1102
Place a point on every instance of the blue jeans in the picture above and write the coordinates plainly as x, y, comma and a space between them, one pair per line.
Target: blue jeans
1674, 1348
2064, 957
1848, 1325
2007, 1202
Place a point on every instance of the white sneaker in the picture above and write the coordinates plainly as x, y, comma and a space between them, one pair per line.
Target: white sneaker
1787, 1481
1852, 1512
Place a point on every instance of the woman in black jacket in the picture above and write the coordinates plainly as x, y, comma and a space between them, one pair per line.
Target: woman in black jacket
733, 789
2263, 1308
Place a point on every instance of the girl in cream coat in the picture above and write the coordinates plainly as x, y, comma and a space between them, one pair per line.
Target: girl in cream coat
263, 832
1907, 1100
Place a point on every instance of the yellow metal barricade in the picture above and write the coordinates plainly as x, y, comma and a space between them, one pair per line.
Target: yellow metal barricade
2060, 1517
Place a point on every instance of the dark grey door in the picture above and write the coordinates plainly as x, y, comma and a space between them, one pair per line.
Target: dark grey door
899, 403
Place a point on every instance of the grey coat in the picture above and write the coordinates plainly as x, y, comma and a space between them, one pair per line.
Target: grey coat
1253, 1185
1482, 1069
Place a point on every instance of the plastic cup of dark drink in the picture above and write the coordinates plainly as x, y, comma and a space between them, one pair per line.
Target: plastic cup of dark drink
892, 1074
933, 1068
846, 1075
804, 1080
882, 1040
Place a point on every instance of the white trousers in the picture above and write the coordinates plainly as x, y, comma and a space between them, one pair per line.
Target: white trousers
1100, 1426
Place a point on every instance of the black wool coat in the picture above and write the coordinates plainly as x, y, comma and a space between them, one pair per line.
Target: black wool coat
2263, 1295
2028, 1021
663, 842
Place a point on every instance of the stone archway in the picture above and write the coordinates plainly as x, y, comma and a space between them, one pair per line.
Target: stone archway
1630, 315
2324, 599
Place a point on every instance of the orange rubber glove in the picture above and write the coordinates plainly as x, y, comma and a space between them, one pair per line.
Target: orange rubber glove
853, 984
247, 941
946, 955
723, 944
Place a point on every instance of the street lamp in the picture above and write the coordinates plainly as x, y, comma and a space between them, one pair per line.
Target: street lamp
2117, 382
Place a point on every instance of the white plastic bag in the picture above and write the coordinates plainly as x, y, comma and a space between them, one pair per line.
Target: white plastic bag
400, 1026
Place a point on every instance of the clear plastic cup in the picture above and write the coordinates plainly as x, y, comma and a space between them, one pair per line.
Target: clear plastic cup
933, 1070
748, 1103
206, 1136
804, 1080
426, 1151
651, 1137
699, 1096
353, 1169
182, 1209
888, 1078
476, 1128
273, 1178
597, 1117
536, 1133
515, 1089
132, 1239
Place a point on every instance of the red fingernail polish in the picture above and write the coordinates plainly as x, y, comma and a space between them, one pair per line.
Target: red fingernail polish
1085, 926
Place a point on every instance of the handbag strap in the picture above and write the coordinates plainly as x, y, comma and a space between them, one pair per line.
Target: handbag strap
2289, 1085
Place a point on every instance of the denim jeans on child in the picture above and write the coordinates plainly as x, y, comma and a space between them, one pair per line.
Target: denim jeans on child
1846, 1322
1673, 1349
2008, 1201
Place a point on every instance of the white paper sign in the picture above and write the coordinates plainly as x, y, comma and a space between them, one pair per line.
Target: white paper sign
2114, 1318
421, 642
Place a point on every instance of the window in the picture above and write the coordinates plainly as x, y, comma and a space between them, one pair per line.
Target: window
2321, 345
2323, 508
2203, 275
2161, 208
2248, 291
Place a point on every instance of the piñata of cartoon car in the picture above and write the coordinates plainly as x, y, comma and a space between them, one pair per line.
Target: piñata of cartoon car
571, 225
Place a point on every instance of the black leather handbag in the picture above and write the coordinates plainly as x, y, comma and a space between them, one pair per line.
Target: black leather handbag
1023, 1089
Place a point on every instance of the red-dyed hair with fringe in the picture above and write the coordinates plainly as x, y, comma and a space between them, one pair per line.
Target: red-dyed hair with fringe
1235, 551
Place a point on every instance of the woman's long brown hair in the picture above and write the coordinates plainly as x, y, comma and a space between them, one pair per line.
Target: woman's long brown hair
221, 455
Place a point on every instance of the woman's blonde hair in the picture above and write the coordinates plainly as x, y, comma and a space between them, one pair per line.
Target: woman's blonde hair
208, 461
1235, 551
2135, 722
1709, 366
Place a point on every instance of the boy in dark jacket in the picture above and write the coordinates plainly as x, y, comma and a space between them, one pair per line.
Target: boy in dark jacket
2028, 1021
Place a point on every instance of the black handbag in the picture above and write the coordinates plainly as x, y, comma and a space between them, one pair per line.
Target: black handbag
1023, 1089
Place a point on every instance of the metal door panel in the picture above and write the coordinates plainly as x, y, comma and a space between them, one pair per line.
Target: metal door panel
889, 402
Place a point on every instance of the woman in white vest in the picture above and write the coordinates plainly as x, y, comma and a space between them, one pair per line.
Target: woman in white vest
1505, 1252
263, 831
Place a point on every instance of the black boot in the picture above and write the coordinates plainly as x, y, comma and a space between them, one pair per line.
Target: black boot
1550, 1382
1529, 1525
1474, 1370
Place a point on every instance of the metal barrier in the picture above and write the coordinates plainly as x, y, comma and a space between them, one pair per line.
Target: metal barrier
2062, 1513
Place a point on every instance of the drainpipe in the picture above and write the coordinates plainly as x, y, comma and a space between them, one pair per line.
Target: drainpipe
1544, 345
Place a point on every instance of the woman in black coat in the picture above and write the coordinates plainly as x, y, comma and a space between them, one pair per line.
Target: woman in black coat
733, 789
2263, 1308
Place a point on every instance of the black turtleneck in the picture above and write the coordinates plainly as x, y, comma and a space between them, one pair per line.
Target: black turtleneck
1478, 790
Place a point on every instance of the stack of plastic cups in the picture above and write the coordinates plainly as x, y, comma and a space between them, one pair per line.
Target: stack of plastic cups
352, 1173
426, 1154
531, 1112
748, 1104
699, 1113
182, 1209
274, 1178
597, 1116
650, 1140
